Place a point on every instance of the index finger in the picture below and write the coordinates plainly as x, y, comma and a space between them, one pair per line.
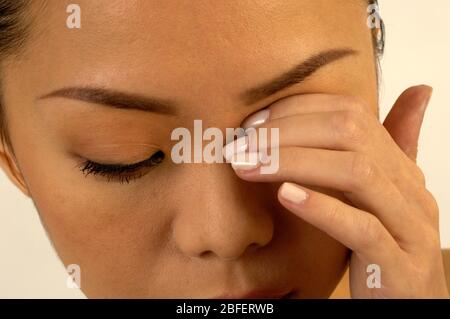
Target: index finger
306, 103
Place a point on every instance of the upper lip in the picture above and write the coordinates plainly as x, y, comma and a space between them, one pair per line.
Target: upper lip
257, 294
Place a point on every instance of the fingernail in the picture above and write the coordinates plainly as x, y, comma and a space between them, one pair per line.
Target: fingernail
428, 98
245, 161
292, 193
256, 119
238, 146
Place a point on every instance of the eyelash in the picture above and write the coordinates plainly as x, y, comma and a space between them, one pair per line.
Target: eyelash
121, 173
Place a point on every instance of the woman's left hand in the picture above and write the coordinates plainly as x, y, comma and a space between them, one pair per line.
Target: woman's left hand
337, 142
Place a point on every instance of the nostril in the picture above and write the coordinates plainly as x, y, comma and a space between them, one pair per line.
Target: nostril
253, 247
206, 254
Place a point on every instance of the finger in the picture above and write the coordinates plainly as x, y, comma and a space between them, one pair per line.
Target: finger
362, 232
354, 174
405, 119
306, 103
319, 103
338, 130
346, 131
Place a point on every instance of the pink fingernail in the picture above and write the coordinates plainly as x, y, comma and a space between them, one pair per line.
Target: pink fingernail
237, 146
293, 193
245, 162
256, 119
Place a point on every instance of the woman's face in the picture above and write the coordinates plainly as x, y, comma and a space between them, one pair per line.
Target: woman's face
174, 230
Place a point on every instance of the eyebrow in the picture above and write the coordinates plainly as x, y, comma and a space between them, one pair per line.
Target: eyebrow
115, 99
297, 74
123, 100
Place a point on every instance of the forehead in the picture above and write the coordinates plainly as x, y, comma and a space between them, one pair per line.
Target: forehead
222, 45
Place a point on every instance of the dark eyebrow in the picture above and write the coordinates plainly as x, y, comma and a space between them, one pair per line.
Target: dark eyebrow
122, 100
296, 75
115, 99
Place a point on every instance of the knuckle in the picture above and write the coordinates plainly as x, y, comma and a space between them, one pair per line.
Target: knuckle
371, 231
355, 103
350, 126
419, 175
431, 206
333, 213
431, 239
426, 205
362, 171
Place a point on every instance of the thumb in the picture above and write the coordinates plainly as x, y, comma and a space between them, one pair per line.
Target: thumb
405, 119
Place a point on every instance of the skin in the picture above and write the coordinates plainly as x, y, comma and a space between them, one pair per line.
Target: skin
205, 230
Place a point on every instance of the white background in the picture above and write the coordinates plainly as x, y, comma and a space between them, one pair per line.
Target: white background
418, 51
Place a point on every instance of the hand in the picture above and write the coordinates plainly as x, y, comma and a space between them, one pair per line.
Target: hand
388, 218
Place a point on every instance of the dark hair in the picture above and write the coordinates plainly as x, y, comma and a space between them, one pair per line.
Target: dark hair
12, 26
14, 31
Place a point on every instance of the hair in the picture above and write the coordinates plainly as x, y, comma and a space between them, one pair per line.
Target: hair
14, 29
13, 33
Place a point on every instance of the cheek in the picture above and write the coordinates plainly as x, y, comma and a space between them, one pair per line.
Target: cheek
89, 220
107, 236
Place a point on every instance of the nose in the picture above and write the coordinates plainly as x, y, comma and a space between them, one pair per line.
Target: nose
221, 215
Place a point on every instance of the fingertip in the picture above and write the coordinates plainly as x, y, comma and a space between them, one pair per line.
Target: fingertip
292, 193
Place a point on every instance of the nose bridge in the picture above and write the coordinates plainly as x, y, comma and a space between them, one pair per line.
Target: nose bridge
219, 215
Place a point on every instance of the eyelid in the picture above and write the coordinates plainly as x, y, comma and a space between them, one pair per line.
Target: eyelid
122, 172
118, 154
126, 144
123, 165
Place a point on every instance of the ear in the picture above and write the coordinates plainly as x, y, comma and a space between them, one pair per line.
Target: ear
404, 121
9, 166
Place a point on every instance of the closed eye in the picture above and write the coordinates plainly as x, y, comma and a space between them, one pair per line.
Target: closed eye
123, 173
